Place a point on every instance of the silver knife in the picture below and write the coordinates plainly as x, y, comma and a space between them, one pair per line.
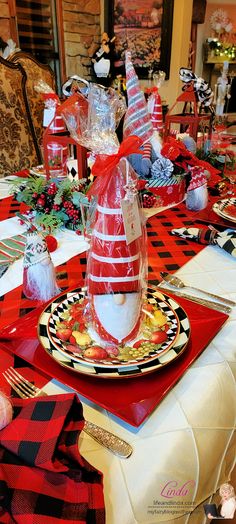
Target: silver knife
198, 300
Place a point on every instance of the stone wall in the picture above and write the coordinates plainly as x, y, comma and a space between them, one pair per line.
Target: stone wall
81, 19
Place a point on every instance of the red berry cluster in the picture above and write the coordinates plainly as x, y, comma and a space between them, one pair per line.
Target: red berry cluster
71, 211
41, 200
44, 203
149, 201
52, 189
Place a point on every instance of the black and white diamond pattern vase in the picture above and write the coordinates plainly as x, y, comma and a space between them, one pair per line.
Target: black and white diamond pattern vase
72, 170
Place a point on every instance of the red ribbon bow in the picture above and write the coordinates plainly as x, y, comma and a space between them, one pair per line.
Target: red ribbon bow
151, 90
104, 164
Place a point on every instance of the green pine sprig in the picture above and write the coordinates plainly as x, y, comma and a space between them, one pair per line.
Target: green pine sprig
48, 222
48, 204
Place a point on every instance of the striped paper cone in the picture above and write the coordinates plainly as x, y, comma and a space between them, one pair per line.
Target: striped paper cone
137, 120
157, 116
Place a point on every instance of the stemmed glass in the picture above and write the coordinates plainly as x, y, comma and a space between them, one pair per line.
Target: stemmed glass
159, 78
88, 212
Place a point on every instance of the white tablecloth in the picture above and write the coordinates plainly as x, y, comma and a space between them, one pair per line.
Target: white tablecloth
189, 440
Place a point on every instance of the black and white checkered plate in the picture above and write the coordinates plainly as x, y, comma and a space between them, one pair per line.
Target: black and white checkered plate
57, 317
220, 208
132, 369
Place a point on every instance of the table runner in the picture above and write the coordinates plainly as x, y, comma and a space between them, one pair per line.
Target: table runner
165, 253
121, 397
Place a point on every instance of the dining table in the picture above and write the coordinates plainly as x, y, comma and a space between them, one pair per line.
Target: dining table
179, 417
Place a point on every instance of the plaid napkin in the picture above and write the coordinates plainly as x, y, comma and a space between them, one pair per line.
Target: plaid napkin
43, 477
225, 239
10, 250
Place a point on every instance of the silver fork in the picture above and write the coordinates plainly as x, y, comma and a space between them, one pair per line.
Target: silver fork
26, 389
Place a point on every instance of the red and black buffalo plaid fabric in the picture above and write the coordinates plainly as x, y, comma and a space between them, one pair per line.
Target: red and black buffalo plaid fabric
43, 477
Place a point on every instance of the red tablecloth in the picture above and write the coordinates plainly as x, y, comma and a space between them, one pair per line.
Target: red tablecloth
131, 399
165, 253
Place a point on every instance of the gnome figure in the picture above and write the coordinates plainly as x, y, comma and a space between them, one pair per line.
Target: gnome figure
142, 121
115, 269
155, 109
197, 193
137, 119
39, 280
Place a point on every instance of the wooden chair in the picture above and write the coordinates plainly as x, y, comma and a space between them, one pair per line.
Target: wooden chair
35, 71
18, 149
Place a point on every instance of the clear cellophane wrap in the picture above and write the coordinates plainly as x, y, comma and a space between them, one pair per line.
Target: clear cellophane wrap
116, 268
51, 99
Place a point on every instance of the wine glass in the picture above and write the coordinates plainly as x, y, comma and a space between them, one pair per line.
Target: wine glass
88, 211
159, 78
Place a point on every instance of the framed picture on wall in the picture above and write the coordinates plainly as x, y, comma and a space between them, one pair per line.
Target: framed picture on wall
145, 28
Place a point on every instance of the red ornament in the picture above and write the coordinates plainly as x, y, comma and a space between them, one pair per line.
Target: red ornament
51, 243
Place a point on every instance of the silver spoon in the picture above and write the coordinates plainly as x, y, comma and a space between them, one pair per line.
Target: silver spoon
176, 282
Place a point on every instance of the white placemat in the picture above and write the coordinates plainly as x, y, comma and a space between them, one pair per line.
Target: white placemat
69, 245
5, 186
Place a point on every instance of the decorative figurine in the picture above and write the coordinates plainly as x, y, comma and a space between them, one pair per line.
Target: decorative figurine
39, 278
222, 91
102, 59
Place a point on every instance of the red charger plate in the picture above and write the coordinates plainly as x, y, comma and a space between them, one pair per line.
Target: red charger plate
131, 400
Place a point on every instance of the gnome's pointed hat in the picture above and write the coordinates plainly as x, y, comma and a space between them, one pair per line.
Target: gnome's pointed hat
157, 116
137, 120
198, 177
113, 266
36, 250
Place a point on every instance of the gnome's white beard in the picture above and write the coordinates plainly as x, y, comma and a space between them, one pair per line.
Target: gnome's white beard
41, 280
118, 318
156, 142
197, 199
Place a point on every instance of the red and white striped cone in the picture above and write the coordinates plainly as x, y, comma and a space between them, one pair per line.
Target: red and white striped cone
57, 125
137, 119
113, 268
157, 116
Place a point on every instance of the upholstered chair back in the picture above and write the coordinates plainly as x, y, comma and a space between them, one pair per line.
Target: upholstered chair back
17, 145
35, 71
